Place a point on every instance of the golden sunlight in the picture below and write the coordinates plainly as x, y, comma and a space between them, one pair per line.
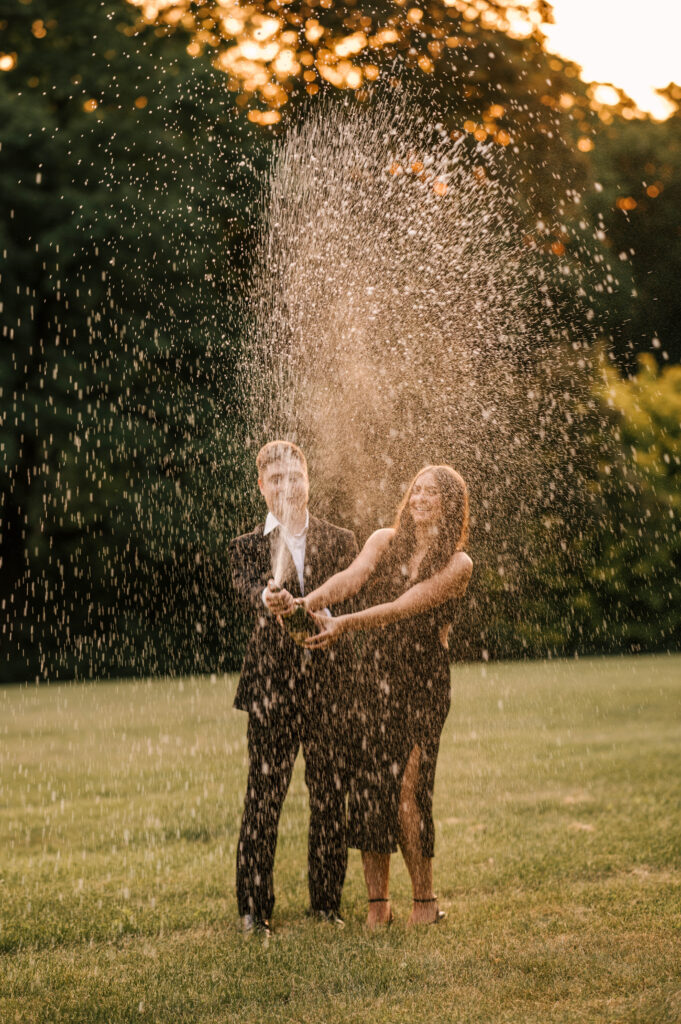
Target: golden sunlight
634, 47
263, 53
263, 46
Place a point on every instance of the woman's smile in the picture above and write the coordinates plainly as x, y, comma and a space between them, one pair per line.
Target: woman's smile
425, 502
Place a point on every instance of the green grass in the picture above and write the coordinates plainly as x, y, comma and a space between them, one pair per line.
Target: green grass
558, 859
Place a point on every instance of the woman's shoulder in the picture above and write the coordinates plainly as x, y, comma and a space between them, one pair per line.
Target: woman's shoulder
375, 546
380, 539
464, 560
461, 566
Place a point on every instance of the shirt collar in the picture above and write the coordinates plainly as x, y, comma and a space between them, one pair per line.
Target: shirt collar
271, 523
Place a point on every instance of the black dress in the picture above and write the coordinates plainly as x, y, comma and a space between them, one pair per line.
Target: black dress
400, 699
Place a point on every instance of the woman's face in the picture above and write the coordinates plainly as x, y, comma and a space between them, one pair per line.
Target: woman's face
425, 501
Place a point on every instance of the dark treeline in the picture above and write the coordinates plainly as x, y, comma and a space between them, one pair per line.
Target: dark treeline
129, 184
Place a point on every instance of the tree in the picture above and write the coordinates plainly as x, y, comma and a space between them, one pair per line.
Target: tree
480, 69
637, 568
637, 164
270, 50
616, 584
131, 187
115, 371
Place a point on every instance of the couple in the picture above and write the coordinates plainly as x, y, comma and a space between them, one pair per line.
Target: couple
369, 722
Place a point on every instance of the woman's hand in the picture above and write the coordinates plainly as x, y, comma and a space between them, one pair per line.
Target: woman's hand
329, 631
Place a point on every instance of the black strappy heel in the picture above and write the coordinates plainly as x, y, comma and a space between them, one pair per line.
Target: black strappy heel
439, 916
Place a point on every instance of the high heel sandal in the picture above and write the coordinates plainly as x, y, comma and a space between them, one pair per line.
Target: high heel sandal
440, 915
382, 899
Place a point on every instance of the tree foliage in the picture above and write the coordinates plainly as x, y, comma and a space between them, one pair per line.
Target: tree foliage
608, 577
129, 183
636, 572
113, 372
271, 49
637, 166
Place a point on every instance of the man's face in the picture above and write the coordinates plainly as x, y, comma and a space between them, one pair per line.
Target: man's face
284, 486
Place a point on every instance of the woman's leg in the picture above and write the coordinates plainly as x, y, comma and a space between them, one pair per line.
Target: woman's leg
377, 877
420, 868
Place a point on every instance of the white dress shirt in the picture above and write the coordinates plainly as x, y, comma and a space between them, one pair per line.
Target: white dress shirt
295, 542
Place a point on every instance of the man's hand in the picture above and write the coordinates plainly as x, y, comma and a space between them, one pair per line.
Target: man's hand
279, 602
306, 605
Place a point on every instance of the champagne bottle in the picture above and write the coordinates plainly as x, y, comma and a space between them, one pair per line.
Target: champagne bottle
298, 623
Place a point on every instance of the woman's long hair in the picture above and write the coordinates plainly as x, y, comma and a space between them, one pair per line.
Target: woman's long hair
452, 529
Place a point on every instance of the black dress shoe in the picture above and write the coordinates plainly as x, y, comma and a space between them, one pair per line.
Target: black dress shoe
327, 916
251, 925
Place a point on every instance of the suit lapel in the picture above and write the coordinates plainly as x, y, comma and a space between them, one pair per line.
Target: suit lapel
314, 570
262, 553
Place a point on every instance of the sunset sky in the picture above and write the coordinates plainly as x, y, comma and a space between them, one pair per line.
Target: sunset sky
636, 46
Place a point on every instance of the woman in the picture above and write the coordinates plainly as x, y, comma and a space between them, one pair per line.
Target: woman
409, 575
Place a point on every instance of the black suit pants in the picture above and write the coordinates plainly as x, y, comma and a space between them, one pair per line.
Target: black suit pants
274, 738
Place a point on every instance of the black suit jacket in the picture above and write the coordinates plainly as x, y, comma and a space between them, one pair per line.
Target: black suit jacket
276, 671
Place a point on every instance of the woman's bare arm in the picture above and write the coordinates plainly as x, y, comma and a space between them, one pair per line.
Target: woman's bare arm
447, 583
346, 583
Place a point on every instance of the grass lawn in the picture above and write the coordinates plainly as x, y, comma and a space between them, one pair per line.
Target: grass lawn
558, 859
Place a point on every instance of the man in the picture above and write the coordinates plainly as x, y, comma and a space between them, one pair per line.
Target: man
291, 695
